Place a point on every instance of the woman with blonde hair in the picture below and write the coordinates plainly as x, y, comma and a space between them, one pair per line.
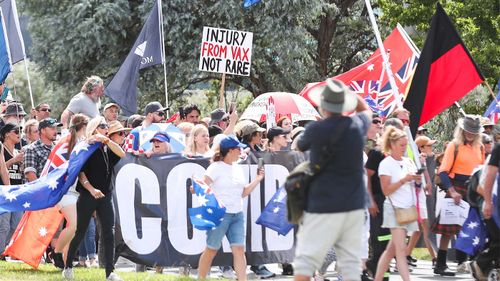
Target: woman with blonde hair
461, 156
96, 195
398, 180
198, 142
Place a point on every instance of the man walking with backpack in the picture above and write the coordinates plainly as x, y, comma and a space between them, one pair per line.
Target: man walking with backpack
336, 197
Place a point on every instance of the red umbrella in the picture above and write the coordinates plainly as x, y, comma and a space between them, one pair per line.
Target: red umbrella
285, 104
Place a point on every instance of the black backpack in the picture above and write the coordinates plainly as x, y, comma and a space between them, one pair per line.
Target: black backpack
472, 183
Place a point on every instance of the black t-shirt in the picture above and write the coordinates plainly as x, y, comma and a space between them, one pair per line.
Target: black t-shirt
375, 156
98, 170
495, 156
15, 174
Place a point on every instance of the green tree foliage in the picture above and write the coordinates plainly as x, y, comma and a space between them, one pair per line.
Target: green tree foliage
294, 42
477, 22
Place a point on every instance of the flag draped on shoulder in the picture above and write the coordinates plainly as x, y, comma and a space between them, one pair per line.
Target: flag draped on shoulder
146, 52
210, 213
10, 21
41, 221
445, 72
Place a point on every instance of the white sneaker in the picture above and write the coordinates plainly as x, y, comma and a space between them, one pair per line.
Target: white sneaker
229, 274
462, 268
114, 276
67, 273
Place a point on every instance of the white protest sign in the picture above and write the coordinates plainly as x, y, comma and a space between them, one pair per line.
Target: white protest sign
453, 214
226, 51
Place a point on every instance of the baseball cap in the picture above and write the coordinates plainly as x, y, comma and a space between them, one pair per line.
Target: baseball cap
48, 122
218, 115
423, 140
111, 104
231, 142
8, 128
154, 106
161, 137
250, 128
276, 131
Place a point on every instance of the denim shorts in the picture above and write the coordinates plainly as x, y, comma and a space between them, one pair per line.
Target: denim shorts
233, 227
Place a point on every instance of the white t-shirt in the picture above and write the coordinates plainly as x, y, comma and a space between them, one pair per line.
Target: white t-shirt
403, 197
228, 184
81, 103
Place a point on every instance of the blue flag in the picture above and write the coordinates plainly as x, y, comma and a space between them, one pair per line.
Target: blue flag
210, 213
248, 3
5, 64
494, 107
145, 53
11, 24
472, 236
274, 215
48, 190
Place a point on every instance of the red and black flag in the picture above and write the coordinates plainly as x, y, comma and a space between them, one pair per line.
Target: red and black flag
444, 74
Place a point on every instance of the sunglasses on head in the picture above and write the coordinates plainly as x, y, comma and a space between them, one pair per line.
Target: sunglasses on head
103, 126
46, 109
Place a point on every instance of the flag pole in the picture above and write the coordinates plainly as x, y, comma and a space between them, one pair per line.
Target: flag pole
162, 44
490, 90
222, 100
29, 81
390, 75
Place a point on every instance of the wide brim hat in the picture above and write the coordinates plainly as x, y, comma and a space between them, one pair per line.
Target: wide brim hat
334, 97
471, 124
116, 127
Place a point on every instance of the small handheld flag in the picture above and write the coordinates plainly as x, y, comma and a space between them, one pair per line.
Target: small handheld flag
210, 213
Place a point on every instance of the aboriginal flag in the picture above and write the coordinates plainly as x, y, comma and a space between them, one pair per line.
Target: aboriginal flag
445, 72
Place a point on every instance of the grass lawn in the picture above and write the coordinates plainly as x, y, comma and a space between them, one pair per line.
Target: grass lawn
13, 271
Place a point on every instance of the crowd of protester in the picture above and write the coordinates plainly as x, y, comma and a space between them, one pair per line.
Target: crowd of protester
343, 221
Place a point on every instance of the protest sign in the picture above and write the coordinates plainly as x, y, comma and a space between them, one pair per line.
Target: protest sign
152, 198
226, 51
452, 213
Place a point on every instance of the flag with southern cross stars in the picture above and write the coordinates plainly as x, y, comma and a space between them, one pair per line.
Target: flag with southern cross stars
274, 215
210, 213
472, 236
48, 190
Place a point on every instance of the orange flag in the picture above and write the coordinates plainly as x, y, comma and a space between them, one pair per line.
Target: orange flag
33, 234
37, 228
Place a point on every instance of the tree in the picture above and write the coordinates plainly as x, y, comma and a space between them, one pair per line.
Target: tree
294, 43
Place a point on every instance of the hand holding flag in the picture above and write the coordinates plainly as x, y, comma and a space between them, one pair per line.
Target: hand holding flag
210, 213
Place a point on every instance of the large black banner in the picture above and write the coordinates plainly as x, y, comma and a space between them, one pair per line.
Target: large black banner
152, 199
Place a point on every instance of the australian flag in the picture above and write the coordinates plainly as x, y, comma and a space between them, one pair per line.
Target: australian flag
274, 215
210, 213
493, 111
48, 190
146, 52
472, 237
5, 62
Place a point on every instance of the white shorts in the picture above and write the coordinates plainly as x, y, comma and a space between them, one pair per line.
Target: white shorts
68, 199
366, 236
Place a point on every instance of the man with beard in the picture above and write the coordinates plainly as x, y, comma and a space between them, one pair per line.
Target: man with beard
154, 113
37, 153
87, 101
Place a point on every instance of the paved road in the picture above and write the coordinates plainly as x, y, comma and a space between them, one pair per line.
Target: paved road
423, 271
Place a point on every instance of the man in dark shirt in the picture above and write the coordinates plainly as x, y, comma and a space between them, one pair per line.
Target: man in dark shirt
336, 200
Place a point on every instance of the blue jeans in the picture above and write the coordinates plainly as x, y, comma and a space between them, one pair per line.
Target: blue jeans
232, 226
87, 246
8, 224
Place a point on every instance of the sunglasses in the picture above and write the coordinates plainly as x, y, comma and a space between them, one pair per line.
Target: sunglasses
376, 121
46, 109
160, 113
16, 131
103, 126
121, 134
